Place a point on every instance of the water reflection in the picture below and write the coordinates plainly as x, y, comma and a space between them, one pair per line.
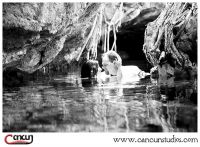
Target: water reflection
71, 104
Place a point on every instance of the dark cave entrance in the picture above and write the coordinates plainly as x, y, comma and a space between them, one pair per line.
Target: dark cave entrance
130, 40
130, 45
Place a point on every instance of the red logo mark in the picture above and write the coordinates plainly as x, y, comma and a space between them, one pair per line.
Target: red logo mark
18, 139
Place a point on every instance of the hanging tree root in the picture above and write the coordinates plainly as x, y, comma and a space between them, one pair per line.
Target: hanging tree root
175, 15
93, 38
96, 37
114, 24
105, 39
89, 36
115, 39
99, 27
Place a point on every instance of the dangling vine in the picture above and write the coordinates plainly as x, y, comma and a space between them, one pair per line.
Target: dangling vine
101, 27
88, 38
115, 23
161, 32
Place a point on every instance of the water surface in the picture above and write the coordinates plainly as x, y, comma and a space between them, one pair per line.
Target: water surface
67, 103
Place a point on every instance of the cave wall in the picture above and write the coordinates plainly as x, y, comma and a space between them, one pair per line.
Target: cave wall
35, 33
38, 35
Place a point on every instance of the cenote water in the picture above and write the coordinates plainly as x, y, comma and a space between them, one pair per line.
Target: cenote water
67, 103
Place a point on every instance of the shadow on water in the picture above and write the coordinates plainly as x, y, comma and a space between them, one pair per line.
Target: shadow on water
63, 103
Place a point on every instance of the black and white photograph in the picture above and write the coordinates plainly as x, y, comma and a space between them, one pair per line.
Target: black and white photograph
99, 67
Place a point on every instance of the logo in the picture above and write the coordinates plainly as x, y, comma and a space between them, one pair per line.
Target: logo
18, 139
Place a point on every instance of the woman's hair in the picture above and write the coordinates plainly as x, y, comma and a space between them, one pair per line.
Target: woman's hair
112, 56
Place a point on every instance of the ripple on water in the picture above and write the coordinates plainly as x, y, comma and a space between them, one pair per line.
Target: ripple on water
64, 104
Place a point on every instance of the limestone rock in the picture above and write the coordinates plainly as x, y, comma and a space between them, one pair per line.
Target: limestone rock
39, 34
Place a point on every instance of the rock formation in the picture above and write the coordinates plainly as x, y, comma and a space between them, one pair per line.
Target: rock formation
173, 33
36, 35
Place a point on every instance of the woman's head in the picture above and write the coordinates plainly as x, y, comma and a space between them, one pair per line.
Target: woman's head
111, 62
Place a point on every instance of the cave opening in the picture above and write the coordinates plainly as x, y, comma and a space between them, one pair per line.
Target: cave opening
130, 47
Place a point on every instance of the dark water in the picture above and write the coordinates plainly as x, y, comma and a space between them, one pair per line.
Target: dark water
71, 104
